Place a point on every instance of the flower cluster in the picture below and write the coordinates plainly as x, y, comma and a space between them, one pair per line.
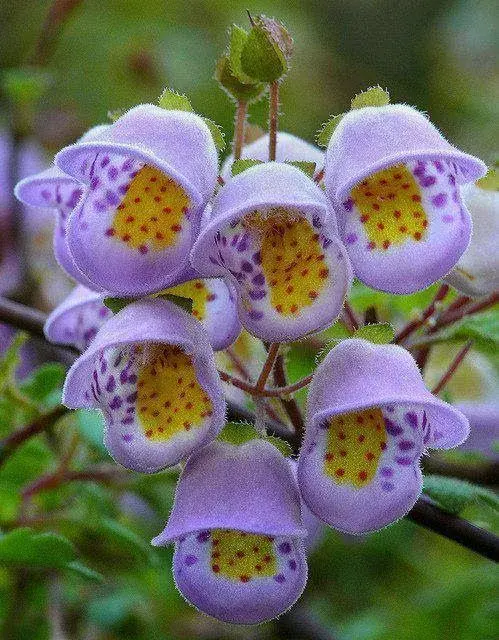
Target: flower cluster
144, 220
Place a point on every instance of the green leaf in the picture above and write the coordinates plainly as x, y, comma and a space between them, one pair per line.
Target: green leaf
117, 304
10, 360
216, 133
44, 385
372, 97
91, 427
482, 328
10, 500
83, 571
266, 51
172, 100
283, 446
239, 91
381, 333
308, 168
180, 301
238, 166
47, 550
25, 86
238, 433
122, 536
326, 131
455, 495
490, 181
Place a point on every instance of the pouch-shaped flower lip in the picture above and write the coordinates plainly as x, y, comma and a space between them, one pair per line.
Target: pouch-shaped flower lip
266, 188
370, 139
174, 146
98, 380
77, 319
484, 432
289, 148
369, 420
236, 523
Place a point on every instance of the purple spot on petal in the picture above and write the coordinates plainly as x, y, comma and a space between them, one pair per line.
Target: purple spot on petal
292, 565
448, 218
285, 547
411, 419
204, 536
247, 266
427, 181
115, 403
404, 462
387, 486
127, 437
112, 198
440, 200
255, 315
392, 428
259, 279
112, 173
190, 560
104, 161
111, 384
257, 257
257, 295
387, 472
351, 238
348, 204
280, 578
406, 445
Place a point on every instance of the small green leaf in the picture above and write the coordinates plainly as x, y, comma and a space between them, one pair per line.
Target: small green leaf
308, 168
482, 328
372, 97
216, 133
23, 546
172, 100
266, 51
10, 360
25, 86
490, 181
381, 333
238, 166
455, 495
180, 301
121, 535
117, 304
44, 385
91, 427
83, 571
326, 131
283, 446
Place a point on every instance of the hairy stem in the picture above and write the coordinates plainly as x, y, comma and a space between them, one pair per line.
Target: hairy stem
454, 365
238, 142
273, 117
413, 326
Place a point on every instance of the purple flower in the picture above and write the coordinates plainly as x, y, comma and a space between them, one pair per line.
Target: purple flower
53, 189
393, 180
77, 319
213, 304
151, 371
149, 177
238, 534
484, 422
272, 232
289, 147
369, 420
477, 272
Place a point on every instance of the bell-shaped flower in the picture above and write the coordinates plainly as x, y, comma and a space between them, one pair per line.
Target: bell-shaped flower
238, 534
484, 431
213, 304
477, 272
289, 148
149, 177
53, 189
151, 371
77, 319
272, 232
369, 420
394, 181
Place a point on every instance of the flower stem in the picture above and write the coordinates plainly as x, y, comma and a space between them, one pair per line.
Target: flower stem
238, 142
427, 313
454, 365
349, 317
273, 116
267, 367
289, 404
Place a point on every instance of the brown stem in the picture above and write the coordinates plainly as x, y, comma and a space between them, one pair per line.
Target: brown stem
481, 305
265, 392
318, 176
239, 129
267, 367
58, 14
480, 473
454, 365
289, 404
427, 313
13, 441
349, 317
273, 116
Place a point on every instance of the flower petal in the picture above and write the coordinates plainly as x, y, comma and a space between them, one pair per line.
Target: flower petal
240, 577
77, 319
360, 471
151, 371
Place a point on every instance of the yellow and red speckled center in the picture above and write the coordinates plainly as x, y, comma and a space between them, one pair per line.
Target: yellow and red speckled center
293, 260
170, 398
199, 293
389, 204
242, 556
152, 212
354, 445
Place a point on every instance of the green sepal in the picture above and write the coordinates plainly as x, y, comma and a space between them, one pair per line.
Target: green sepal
216, 133
308, 168
326, 131
266, 51
238, 166
455, 495
171, 100
237, 39
371, 97
381, 333
237, 433
117, 304
235, 89
490, 181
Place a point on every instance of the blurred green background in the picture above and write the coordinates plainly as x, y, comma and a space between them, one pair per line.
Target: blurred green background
402, 583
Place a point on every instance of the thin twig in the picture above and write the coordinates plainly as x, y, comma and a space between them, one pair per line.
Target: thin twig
427, 313
275, 392
461, 313
273, 116
237, 145
454, 365
58, 14
479, 472
267, 367
350, 317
